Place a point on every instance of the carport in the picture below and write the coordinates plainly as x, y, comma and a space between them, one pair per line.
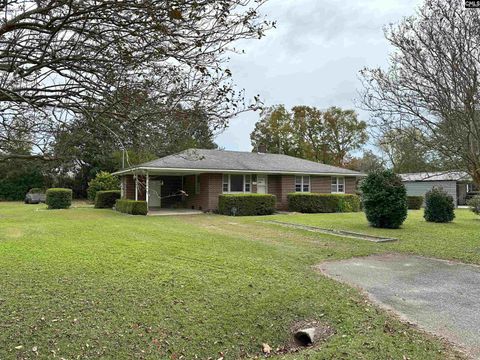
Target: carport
161, 190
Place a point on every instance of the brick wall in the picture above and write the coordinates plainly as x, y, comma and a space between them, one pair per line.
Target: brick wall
350, 185
282, 185
129, 190
142, 188
320, 184
287, 186
214, 190
275, 187
210, 189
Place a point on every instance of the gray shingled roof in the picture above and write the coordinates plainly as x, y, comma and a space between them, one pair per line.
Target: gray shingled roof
437, 176
221, 160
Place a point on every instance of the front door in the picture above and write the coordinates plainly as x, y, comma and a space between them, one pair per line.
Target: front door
154, 193
261, 184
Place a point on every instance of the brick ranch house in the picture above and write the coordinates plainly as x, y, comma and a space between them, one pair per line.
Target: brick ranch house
195, 178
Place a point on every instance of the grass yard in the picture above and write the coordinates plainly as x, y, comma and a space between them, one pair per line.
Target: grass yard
88, 284
459, 240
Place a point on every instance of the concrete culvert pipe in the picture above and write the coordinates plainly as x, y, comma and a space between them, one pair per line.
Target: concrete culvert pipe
305, 337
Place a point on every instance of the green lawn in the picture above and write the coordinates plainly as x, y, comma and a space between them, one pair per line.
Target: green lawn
459, 240
85, 283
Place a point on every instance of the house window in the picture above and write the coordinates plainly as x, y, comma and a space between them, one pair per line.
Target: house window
197, 184
338, 184
247, 183
237, 183
302, 183
225, 183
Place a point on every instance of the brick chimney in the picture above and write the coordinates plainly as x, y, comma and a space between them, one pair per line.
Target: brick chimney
262, 148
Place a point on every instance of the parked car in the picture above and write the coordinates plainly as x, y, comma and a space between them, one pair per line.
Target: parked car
35, 196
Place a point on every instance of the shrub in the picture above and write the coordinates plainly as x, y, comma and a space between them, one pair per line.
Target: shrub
474, 204
103, 181
384, 199
349, 203
131, 207
16, 180
323, 203
246, 204
106, 199
439, 206
415, 202
58, 198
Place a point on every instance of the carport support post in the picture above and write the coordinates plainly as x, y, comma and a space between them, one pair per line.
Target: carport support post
136, 187
148, 187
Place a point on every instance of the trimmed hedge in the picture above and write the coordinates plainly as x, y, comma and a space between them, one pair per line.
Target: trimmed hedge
58, 198
131, 207
106, 199
439, 206
246, 204
415, 202
323, 203
384, 198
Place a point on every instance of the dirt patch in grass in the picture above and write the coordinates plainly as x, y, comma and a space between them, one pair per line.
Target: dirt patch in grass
13, 233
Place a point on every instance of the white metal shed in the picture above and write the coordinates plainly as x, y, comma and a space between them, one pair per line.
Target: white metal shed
455, 183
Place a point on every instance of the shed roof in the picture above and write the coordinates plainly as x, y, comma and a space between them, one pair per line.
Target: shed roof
437, 176
237, 161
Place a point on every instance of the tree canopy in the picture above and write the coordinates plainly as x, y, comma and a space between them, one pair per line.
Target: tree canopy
64, 59
326, 136
407, 151
433, 82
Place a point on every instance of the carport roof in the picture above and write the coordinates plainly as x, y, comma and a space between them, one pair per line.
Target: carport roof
437, 176
203, 160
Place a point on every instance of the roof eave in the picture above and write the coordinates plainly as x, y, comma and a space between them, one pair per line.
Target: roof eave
187, 171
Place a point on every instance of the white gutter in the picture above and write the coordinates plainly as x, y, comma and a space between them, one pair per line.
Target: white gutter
228, 171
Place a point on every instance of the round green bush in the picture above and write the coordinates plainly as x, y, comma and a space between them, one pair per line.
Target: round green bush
439, 206
103, 181
384, 199
415, 202
58, 198
474, 204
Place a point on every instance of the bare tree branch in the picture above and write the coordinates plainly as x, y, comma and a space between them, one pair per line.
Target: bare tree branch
432, 84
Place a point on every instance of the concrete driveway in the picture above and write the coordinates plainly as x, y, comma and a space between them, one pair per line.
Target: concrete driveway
441, 297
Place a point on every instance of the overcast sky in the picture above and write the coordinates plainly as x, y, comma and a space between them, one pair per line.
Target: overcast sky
313, 56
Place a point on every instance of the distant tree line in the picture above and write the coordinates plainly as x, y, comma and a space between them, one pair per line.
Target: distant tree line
328, 136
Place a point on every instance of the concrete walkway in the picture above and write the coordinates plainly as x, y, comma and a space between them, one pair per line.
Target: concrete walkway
439, 296
173, 212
